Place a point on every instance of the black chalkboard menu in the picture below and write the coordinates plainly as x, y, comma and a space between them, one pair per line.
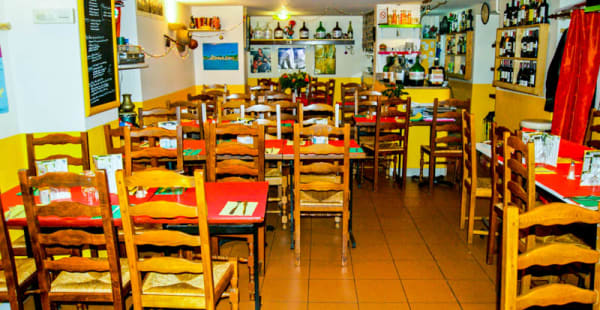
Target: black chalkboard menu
98, 55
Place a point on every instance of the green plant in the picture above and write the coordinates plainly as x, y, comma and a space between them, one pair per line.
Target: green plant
294, 80
394, 91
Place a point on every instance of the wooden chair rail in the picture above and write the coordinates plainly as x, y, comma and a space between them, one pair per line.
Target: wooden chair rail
166, 238
163, 209
166, 264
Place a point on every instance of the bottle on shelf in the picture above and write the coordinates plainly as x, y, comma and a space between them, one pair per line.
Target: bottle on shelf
463, 20
392, 70
401, 71
386, 69
320, 33
350, 31
514, 13
532, 15
337, 31
470, 20
278, 33
268, 32
259, 33
416, 74
532, 73
525, 44
502, 45
436, 75
303, 31
506, 16
543, 12
523, 13
533, 44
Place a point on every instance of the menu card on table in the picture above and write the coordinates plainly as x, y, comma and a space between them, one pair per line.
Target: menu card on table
546, 147
590, 172
111, 163
168, 143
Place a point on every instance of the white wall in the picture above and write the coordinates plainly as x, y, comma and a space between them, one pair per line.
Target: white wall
8, 121
45, 69
483, 52
350, 64
130, 80
232, 23
167, 74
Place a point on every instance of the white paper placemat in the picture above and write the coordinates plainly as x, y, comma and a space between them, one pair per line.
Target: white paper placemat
236, 208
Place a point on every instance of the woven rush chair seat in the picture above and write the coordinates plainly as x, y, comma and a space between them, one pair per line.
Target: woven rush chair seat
446, 152
322, 198
93, 282
484, 187
25, 270
272, 172
184, 284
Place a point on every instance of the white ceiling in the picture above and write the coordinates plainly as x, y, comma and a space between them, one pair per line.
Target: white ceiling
322, 7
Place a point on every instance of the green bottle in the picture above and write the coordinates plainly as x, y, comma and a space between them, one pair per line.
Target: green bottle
416, 74
320, 33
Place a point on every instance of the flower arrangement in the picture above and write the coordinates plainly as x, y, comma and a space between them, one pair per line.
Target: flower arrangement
294, 80
394, 91
289, 29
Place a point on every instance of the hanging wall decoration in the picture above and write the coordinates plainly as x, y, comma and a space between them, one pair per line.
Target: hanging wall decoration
220, 56
260, 58
3, 95
292, 58
152, 7
325, 59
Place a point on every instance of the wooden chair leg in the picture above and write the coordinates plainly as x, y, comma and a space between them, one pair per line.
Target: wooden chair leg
463, 205
471, 225
422, 162
297, 232
431, 171
284, 202
261, 249
345, 236
234, 292
404, 169
491, 242
375, 172
214, 245
251, 258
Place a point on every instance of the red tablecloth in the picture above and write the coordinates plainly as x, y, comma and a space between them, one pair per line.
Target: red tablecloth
217, 195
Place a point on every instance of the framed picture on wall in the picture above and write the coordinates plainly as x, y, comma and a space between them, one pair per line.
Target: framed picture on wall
220, 56
325, 59
260, 59
3, 95
292, 58
152, 7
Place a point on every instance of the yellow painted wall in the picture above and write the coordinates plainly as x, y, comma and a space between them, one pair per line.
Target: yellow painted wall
12, 158
512, 107
481, 103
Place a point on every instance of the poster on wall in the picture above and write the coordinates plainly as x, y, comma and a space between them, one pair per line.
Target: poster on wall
3, 95
325, 59
220, 56
292, 58
152, 7
260, 59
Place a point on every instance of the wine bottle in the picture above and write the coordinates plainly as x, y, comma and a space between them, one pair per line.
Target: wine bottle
524, 44
268, 32
523, 12
506, 16
392, 71
303, 31
350, 32
386, 69
470, 20
278, 32
532, 12
534, 44
532, 74
337, 31
416, 74
436, 75
259, 33
320, 33
543, 12
514, 13
500, 71
502, 47
510, 72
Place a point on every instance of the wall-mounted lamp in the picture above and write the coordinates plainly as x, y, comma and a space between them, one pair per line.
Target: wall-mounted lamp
283, 14
182, 37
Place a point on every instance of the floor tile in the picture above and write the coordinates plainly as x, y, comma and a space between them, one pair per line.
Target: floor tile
434, 306
418, 269
332, 306
383, 306
461, 269
380, 291
285, 268
284, 290
428, 291
478, 306
374, 269
273, 305
332, 291
411, 251
323, 269
472, 291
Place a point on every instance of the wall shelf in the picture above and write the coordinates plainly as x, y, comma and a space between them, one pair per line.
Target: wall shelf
400, 26
458, 59
302, 42
202, 30
133, 66
397, 53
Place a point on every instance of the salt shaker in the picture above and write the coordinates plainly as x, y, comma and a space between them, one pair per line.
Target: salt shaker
571, 175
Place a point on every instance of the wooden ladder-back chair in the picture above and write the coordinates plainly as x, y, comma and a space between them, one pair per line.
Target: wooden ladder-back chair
444, 136
497, 186
110, 134
207, 106
347, 95
16, 274
58, 139
153, 151
233, 108
318, 92
190, 120
75, 279
272, 85
150, 117
330, 91
322, 179
517, 265
167, 281
593, 129
472, 185
317, 113
233, 161
218, 92
391, 138
288, 111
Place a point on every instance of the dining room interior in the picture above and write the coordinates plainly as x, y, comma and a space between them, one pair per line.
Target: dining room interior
235, 154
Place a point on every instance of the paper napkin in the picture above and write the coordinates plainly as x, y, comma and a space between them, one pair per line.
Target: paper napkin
236, 208
272, 150
15, 212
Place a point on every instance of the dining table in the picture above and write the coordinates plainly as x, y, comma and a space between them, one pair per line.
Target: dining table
217, 197
552, 182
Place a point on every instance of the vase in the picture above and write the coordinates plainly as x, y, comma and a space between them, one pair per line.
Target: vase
126, 105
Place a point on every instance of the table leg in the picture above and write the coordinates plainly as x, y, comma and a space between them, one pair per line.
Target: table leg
257, 301
352, 240
292, 219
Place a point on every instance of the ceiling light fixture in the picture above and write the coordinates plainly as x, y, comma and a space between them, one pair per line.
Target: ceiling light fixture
283, 14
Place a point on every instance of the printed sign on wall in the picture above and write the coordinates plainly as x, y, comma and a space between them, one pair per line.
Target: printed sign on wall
3, 95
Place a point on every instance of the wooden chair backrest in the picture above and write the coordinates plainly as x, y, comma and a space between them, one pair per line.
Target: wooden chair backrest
593, 127
266, 115
149, 117
519, 173
347, 91
233, 107
58, 139
7, 265
447, 133
469, 157
110, 134
163, 238
308, 115
322, 159
47, 266
153, 151
366, 101
270, 96
272, 85
515, 225
318, 92
206, 105
190, 131
232, 161
396, 132
496, 169
330, 90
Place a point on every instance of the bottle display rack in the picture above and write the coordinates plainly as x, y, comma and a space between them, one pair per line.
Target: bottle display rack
459, 55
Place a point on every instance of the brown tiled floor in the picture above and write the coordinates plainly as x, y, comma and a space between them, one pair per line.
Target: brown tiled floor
410, 254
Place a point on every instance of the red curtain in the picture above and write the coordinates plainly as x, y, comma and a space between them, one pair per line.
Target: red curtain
578, 74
